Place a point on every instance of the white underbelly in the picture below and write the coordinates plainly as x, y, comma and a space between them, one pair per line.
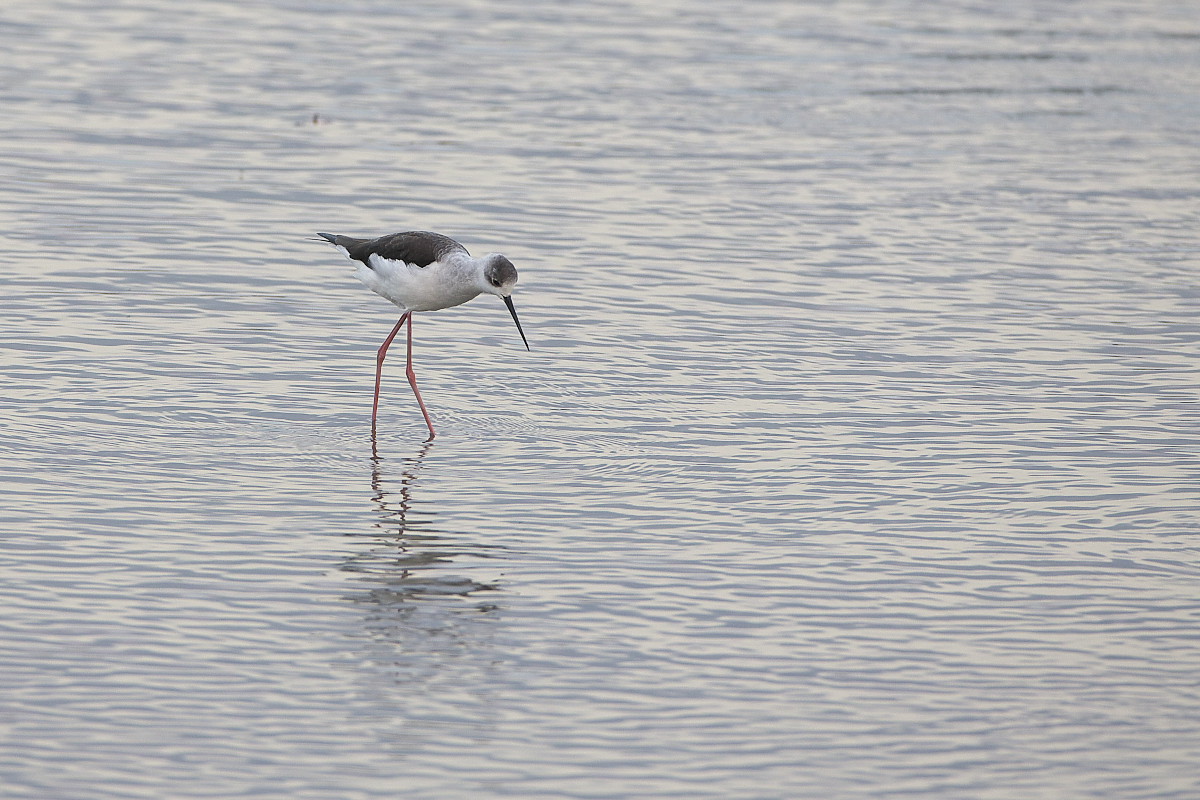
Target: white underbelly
415, 288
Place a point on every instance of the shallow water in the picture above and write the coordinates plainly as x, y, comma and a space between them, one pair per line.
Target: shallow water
855, 456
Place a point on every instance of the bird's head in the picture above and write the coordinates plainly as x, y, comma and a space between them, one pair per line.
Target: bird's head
500, 278
499, 275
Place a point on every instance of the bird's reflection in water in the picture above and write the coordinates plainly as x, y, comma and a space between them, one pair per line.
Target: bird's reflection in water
406, 559
430, 615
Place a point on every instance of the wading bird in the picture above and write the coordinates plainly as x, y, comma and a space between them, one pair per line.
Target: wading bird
423, 271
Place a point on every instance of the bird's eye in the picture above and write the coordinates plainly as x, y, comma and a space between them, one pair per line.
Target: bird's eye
495, 282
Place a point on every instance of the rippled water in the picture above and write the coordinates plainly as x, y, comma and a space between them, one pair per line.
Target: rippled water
856, 455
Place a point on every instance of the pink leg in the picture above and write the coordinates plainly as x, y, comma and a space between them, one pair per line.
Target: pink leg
379, 363
412, 380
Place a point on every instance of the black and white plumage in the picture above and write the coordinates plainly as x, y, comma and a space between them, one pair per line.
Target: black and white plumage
424, 271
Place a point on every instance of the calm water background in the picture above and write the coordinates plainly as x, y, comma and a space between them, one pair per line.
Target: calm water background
856, 456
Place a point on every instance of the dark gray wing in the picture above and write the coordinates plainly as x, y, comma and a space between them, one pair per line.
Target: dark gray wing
412, 247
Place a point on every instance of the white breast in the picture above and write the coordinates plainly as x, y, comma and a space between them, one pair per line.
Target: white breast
413, 288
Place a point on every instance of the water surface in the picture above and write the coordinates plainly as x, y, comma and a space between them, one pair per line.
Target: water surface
855, 456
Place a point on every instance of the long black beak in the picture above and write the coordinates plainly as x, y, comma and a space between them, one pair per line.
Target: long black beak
513, 311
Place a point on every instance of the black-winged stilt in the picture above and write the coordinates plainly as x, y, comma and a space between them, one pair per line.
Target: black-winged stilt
423, 271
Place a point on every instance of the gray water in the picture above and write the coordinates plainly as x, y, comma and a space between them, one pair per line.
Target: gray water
856, 455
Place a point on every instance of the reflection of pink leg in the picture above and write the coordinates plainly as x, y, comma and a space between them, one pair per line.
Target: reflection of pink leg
379, 362
412, 380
